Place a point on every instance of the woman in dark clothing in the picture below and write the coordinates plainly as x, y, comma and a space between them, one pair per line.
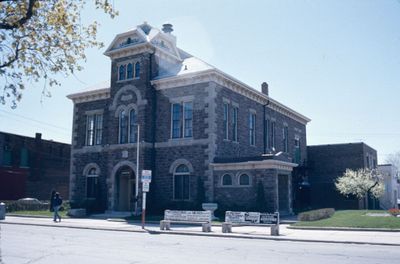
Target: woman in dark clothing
57, 202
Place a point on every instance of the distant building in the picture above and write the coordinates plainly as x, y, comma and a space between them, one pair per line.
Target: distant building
203, 133
32, 167
390, 176
326, 163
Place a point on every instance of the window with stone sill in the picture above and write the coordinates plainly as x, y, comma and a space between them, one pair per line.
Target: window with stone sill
227, 180
94, 129
129, 71
92, 179
244, 180
181, 183
182, 120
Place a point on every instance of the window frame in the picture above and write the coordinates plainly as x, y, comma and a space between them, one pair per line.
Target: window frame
96, 177
235, 112
94, 129
285, 138
252, 128
121, 129
240, 177
226, 121
222, 180
181, 120
181, 175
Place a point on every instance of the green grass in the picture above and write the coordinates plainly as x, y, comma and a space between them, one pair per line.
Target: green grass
39, 213
355, 219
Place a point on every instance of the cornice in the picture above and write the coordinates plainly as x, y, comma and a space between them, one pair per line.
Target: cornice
231, 83
89, 96
129, 50
249, 165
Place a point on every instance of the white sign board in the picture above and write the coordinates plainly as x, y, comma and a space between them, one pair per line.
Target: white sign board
146, 175
251, 218
187, 216
145, 186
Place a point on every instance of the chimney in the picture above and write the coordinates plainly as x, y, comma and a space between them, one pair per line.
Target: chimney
264, 88
38, 136
167, 28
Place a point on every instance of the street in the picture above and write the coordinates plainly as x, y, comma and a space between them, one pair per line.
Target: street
35, 244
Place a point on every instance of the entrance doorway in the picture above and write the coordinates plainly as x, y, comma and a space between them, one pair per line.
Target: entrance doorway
125, 187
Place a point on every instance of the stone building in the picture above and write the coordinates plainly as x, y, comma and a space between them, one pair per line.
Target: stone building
390, 175
326, 163
32, 167
202, 133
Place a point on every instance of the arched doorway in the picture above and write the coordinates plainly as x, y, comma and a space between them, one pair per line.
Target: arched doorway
125, 189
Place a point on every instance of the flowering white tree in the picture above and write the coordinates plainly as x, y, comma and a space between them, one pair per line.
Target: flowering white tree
361, 183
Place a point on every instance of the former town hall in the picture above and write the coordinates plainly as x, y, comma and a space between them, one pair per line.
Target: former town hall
206, 136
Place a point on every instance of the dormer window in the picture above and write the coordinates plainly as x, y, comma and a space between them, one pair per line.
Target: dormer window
129, 71
137, 70
121, 73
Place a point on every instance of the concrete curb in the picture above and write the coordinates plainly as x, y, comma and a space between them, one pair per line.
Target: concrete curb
172, 232
343, 229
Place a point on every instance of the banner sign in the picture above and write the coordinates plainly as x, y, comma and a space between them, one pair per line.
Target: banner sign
187, 216
251, 218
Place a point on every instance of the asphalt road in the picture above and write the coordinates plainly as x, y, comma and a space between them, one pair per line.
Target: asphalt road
34, 244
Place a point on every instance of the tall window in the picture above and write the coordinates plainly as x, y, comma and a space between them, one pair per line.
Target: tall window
273, 124
176, 121
137, 70
92, 184
94, 129
122, 71
24, 161
226, 120
123, 127
234, 124
252, 128
188, 121
182, 125
181, 183
285, 139
132, 126
7, 156
267, 134
129, 71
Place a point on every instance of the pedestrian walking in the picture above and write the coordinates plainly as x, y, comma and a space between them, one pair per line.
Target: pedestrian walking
57, 202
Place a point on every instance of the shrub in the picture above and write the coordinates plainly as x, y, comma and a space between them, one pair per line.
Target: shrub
394, 211
316, 214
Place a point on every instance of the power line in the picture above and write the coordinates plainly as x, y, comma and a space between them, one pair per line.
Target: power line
34, 120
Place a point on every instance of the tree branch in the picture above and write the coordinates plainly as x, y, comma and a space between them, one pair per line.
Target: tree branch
23, 20
11, 61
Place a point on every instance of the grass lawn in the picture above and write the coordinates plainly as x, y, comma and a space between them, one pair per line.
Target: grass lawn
355, 218
40, 213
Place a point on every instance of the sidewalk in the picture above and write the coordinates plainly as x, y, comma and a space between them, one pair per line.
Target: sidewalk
249, 232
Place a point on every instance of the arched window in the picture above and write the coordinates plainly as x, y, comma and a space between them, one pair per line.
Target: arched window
244, 180
137, 70
92, 184
132, 126
123, 127
129, 71
227, 180
181, 183
121, 73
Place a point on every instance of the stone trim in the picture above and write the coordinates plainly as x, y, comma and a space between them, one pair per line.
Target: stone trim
180, 142
182, 99
223, 79
178, 162
130, 87
251, 165
89, 96
94, 112
89, 166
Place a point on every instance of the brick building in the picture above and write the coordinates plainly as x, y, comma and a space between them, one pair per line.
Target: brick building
328, 162
32, 167
203, 133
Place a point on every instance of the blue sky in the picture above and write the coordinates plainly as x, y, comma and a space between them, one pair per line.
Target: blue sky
336, 62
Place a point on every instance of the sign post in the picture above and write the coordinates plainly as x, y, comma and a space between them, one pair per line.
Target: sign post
146, 179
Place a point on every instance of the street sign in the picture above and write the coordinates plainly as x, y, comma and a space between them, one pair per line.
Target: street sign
145, 186
146, 175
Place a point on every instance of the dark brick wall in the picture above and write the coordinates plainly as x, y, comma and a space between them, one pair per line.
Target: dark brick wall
48, 167
328, 162
242, 148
